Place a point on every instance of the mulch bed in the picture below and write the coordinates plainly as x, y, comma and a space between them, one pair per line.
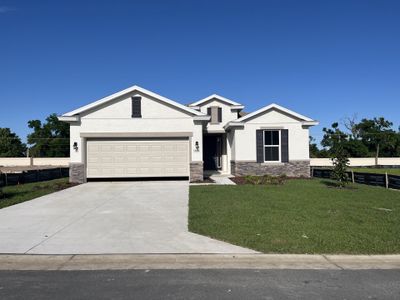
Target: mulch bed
238, 180
241, 180
206, 180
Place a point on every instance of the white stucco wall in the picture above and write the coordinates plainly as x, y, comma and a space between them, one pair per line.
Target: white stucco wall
245, 139
116, 117
227, 114
231, 141
74, 133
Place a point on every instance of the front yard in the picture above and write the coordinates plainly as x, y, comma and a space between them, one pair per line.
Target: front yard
23, 192
301, 216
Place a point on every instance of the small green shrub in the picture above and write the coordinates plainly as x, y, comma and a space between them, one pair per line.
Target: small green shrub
274, 180
252, 179
265, 179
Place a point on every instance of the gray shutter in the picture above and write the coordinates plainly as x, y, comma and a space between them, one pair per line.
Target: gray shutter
284, 145
136, 107
208, 111
260, 145
219, 114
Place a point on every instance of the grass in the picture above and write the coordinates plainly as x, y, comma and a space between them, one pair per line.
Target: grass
301, 216
392, 171
20, 193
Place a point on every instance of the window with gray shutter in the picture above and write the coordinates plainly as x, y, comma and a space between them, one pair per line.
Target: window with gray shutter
136, 107
271, 145
216, 114
260, 145
284, 145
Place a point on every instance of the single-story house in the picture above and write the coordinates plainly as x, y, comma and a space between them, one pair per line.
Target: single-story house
136, 133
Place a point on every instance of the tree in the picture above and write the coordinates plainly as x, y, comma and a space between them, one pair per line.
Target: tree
397, 148
377, 135
50, 139
337, 141
350, 124
10, 144
314, 151
340, 164
351, 143
356, 148
331, 137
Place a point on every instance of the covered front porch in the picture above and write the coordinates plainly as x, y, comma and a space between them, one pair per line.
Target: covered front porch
216, 154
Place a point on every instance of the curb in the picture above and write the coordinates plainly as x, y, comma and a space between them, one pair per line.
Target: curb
197, 261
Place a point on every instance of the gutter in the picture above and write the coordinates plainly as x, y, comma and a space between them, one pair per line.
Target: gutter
75, 118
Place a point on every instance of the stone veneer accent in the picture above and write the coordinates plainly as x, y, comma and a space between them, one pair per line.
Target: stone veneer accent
77, 173
294, 168
196, 171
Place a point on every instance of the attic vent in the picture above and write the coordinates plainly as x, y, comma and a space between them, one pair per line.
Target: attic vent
136, 107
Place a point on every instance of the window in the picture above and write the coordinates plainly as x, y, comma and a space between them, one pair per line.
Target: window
136, 107
216, 114
271, 145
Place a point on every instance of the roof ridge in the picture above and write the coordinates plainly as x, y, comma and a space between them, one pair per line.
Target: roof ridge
129, 90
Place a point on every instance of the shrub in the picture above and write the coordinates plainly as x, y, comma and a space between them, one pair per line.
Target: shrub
251, 179
274, 180
340, 165
265, 179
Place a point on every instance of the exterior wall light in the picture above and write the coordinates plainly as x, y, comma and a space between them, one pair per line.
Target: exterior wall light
196, 146
75, 146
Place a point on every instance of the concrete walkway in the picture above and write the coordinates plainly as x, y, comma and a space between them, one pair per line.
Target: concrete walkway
198, 261
106, 218
222, 179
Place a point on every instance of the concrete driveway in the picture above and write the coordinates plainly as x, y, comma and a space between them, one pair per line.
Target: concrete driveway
107, 217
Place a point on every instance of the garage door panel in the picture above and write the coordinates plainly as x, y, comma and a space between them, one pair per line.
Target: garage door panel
133, 158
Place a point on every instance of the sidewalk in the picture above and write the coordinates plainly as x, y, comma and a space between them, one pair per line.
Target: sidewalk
197, 261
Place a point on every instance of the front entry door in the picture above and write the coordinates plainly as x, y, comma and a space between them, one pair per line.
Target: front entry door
212, 152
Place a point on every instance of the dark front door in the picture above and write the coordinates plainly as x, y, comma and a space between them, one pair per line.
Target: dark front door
212, 152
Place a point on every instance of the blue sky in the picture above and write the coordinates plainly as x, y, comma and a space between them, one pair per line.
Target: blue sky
324, 59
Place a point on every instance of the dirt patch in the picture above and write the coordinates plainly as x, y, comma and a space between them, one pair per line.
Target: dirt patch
206, 180
238, 180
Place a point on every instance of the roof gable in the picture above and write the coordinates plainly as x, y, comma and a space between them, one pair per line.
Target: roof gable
109, 99
121, 108
215, 97
277, 107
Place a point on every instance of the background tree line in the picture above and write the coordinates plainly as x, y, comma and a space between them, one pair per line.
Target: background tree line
48, 139
366, 138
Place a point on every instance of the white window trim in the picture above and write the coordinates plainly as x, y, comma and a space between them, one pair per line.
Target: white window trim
277, 146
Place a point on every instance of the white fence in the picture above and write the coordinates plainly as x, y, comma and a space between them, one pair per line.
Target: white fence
33, 161
358, 162
314, 162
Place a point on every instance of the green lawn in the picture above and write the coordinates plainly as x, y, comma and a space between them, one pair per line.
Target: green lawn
23, 192
393, 171
301, 216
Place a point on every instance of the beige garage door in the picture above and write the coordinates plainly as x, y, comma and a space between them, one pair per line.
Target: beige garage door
137, 158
